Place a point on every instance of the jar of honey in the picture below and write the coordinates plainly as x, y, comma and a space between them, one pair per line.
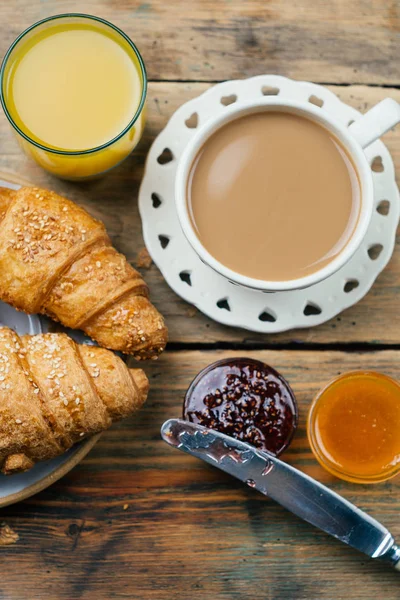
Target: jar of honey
354, 427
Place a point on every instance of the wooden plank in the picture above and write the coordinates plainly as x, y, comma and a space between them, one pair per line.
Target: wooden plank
138, 519
211, 40
114, 199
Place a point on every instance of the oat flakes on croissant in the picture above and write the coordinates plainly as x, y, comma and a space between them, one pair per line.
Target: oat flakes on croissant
54, 392
57, 260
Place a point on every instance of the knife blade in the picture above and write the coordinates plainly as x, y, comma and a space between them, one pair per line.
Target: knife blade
297, 492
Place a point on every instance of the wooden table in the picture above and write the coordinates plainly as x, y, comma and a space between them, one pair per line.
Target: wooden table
136, 519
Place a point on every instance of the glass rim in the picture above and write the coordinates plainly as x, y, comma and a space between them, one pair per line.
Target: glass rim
90, 150
262, 365
315, 446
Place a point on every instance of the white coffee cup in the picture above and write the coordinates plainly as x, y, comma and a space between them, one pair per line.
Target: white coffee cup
355, 139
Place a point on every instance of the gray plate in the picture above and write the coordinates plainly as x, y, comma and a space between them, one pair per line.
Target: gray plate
18, 487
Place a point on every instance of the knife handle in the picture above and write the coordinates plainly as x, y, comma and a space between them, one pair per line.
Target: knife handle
393, 557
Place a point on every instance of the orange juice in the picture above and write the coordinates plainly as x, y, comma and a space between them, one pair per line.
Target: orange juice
73, 87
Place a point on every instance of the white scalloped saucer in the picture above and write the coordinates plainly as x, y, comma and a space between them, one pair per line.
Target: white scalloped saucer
211, 293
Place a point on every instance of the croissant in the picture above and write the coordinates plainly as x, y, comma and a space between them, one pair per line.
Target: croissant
54, 393
56, 259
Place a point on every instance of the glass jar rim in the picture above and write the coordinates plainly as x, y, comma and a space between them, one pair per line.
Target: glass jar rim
245, 360
90, 150
316, 447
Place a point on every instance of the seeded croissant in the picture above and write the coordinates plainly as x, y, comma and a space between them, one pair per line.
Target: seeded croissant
54, 393
57, 260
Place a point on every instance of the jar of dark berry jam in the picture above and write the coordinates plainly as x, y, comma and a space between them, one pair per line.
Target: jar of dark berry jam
245, 399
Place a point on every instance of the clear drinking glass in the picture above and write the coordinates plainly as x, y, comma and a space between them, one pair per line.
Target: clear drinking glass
63, 162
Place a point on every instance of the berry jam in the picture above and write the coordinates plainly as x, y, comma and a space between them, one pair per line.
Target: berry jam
245, 399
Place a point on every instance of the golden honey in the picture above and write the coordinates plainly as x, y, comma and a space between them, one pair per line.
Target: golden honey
354, 427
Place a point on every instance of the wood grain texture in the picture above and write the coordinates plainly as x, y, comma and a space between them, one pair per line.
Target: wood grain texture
136, 519
189, 531
212, 40
114, 199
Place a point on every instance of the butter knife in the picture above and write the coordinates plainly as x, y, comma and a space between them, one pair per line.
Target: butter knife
296, 491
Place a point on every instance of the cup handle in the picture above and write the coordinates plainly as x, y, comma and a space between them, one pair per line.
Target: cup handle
377, 121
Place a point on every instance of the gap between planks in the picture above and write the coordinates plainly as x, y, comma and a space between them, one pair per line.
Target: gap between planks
395, 86
359, 347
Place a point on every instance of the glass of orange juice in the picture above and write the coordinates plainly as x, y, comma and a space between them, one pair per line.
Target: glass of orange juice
73, 87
